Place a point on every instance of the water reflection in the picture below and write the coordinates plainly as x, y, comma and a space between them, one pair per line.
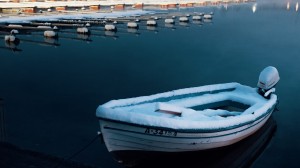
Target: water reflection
197, 22
254, 8
169, 25
226, 6
12, 45
132, 30
207, 21
50, 40
2, 122
110, 33
184, 24
83, 36
151, 28
297, 6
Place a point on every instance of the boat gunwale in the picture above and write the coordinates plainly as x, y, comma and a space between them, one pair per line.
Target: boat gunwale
216, 136
159, 99
198, 130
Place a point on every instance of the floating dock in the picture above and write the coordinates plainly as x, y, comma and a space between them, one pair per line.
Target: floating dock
32, 6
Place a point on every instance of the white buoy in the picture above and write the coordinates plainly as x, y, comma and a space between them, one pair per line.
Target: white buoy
297, 6
14, 31
196, 17
55, 28
110, 27
137, 20
187, 15
87, 24
173, 17
50, 33
82, 30
151, 23
49, 10
288, 6
115, 22
201, 14
211, 13
10, 38
183, 19
83, 8
207, 16
132, 25
169, 21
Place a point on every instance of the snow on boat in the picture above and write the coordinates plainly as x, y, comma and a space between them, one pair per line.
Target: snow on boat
189, 119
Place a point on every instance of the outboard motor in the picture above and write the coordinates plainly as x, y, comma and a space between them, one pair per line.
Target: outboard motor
268, 78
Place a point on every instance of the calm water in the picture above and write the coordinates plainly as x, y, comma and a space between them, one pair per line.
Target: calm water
51, 93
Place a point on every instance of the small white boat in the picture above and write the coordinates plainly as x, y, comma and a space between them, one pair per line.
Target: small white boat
189, 119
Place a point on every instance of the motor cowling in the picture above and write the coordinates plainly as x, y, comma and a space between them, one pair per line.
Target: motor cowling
268, 78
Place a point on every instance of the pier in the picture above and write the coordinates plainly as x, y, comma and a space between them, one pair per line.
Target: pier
32, 6
81, 29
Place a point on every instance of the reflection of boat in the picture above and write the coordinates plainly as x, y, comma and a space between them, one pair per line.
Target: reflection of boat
46, 42
189, 119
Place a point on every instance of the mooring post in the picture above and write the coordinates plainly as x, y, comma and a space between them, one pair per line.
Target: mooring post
2, 122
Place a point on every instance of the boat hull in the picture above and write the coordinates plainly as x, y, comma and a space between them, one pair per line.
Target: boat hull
240, 154
122, 136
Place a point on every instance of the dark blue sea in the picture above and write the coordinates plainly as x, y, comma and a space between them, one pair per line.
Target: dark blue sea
51, 92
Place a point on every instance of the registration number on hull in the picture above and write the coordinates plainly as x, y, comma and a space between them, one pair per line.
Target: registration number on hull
160, 132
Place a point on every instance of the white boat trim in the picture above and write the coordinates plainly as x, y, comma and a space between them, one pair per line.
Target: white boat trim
134, 137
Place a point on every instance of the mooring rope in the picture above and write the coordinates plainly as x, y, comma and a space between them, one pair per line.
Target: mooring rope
80, 150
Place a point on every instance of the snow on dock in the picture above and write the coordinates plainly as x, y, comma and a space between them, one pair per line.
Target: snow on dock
134, 3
